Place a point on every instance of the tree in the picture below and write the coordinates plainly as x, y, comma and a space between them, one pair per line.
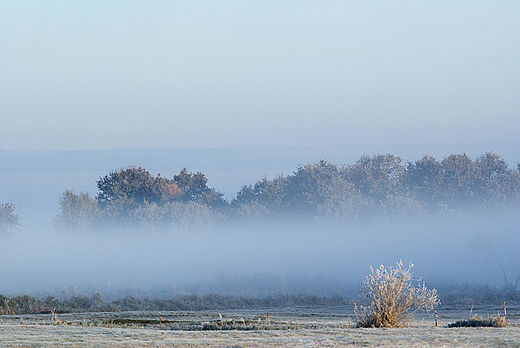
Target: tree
121, 192
344, 207
250, 211
176, 214
424, 178
392, 297
272, 193
495, 183
402, 206
313, 184
9, 221
266, 198
165, 190
323, 189
78, 213
194, 188
378, 176
459, 180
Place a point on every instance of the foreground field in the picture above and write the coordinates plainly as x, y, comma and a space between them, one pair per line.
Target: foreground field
288, 327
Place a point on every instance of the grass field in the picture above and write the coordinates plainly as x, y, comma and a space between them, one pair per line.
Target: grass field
285, 327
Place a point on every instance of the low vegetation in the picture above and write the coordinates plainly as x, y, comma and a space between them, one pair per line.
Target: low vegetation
477, 321
26, 304
458, 296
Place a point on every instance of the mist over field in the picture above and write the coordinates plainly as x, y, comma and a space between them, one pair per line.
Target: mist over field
271, 257
259, 260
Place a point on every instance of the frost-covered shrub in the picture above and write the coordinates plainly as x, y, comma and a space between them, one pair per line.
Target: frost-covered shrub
392, 297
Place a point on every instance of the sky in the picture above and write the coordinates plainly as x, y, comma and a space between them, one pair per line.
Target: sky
83, 75
94, 86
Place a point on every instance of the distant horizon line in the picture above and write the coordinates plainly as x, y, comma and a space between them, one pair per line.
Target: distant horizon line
262, 147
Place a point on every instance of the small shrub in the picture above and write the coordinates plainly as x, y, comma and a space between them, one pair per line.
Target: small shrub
392, 298
476, 321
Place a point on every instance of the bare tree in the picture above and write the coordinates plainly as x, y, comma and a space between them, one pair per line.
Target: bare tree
483, 243
9, 221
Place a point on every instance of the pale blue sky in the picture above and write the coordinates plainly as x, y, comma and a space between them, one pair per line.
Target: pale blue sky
188, 74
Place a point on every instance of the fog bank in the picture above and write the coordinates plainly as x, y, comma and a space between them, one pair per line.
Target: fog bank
288, 257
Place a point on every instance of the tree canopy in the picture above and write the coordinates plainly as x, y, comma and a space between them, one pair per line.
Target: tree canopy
373, 187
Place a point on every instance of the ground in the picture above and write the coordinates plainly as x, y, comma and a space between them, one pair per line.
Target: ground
285, 327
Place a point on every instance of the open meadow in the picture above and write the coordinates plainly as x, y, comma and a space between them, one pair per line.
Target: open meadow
284, 327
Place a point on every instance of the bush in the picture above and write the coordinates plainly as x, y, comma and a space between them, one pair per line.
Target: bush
392, 298
476, 321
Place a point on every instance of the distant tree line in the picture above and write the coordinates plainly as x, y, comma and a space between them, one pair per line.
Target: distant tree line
374, 187
382, 186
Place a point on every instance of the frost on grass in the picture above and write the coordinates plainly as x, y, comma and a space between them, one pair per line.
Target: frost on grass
392, 296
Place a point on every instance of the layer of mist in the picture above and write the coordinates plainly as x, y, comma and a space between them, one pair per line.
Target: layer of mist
254, 260
247, 259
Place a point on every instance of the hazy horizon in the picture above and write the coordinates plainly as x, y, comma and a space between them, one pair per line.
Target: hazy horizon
239, 91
